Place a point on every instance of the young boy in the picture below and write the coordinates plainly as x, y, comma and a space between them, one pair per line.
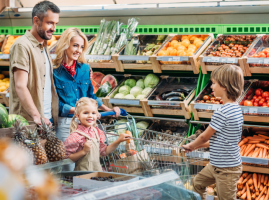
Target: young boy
222, 135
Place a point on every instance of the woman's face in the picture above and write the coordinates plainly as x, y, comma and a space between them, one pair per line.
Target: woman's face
75, 49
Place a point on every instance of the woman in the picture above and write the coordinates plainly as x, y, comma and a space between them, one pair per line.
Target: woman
72, 78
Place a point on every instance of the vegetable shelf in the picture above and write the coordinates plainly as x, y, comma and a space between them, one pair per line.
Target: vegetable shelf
227, 49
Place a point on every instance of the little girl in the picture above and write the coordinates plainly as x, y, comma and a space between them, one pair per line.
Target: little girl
85, 143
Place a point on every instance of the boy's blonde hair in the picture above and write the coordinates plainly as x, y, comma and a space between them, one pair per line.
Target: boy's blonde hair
64, 44
84, 101
231, 78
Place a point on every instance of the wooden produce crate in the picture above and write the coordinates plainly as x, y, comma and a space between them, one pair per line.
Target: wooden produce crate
178, 60
9, 132
174, 105
205, 109
130, 105
211, 58
4, 99
257, 61
143, 59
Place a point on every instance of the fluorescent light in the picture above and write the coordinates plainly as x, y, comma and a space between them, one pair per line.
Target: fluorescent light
126, 6
244, 3
80, 8
25, 9
178, 5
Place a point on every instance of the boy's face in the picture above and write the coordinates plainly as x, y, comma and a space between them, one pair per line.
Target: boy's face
217, 89
88, 115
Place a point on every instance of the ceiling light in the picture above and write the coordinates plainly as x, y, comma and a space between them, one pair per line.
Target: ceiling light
243, 3
125, 6
25, 9
178, 5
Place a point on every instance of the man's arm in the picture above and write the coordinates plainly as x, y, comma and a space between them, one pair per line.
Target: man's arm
20, 81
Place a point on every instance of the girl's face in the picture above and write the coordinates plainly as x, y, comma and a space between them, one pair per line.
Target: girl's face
88, 115
75, 48
217, 89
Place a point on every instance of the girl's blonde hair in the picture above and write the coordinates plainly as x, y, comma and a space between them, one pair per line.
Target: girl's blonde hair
231, 78
64, 43
84, 101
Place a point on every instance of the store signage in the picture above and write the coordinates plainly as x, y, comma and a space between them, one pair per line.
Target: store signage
98, 57
173, 58
220, 59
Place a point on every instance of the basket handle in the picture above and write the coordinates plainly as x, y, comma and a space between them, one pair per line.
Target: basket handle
122, 112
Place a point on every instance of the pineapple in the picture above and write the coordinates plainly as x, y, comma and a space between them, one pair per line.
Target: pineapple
21, 140
40, 156
54, 147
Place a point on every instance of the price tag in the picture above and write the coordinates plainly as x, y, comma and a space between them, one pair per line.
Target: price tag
253, 110
4, 56
215, 59
223, 60
209, 108
176, 58
231, 60
260, 61
266, 61
245, 110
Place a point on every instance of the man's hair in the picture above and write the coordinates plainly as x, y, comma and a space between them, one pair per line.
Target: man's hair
231, 78
41, 8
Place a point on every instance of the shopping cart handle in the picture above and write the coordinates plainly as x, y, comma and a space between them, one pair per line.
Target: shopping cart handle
122, 112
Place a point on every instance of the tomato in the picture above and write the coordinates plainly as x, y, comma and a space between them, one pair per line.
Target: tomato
241, 103
263, 99
207, 101
248, 103
262, 55
258, 92
257, 100
256, 104
212, 98
254, 97
260, 103
217, 102
252, 100
267, 98
267, 104
221, 102
251, 90
218, 99
202, 101
206, 97
264, 104
259, 97
265, 94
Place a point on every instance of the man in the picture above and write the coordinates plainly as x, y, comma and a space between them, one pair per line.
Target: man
32, 92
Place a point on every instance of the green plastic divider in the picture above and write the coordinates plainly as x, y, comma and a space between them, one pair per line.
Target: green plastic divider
5, 30
20, 30
245, 28
205, 79
198, 88
179, 29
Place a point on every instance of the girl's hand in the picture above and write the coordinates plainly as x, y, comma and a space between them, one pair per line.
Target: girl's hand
188, 148
87, 146
123, 137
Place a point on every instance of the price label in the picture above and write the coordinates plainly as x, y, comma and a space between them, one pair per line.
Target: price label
4, 56
231, 60
209, 108
215, 59
260, 61
177, 59
253, 110
245, 110
266, 61
223, 60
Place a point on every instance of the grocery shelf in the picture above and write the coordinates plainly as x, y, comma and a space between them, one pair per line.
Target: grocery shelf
5, 30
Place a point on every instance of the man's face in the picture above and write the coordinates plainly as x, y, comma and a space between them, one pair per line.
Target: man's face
47, 27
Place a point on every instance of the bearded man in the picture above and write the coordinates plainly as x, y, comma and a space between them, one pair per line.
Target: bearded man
32, 91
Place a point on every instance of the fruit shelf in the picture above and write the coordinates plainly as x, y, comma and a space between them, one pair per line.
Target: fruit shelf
227, 49
257, 61
205, 103
178, 59
143, 58
250, 164
9, 132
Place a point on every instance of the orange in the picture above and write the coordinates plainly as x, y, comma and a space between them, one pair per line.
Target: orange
181, 48
189, 53
163, 53
164, 49
189, 36
191, 50
170, 48
173, 52
176, 45
185, 43
196, 40
198, 44
184, 37
173, 41
2, 76
193, 37
191, 46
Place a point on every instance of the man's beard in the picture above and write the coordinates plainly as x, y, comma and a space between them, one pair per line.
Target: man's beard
42, 33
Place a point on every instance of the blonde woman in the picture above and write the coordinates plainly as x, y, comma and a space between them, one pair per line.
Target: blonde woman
72, 78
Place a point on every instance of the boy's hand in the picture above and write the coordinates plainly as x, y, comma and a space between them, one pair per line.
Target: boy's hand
123, 137
87, 146
188, 148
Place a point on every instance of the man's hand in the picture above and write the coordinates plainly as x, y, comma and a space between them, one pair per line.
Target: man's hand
87, 146
117, 111
98, 115
37, 120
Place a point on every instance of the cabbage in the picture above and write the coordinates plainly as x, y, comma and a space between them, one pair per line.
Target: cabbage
121, 128
129, 96
142, 125
130, 82
151, 80
140, 83
119, 96
146, 91
141, 96
124, 90
136, 91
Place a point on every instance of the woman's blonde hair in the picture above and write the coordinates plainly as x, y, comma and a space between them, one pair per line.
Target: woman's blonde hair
84, 101
64, 43
231, 78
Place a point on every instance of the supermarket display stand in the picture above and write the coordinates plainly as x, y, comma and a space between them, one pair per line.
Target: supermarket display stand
255, 70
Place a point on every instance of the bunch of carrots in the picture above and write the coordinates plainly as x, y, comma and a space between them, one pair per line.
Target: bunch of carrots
254, 146
253, 186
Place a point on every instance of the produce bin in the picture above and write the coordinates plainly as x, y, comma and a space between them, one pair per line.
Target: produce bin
4, 97
227, 49
178, 60
9, 132
2, 39
205, 103
163, 102
256, 111
130, 105
143, 46
257, 61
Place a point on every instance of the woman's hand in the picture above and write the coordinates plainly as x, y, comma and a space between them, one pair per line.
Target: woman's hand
87, 146
188, 148
91, 74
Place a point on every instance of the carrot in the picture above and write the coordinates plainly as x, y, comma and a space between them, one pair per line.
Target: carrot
254, 142
251, 187
262, 146
265, 180
257, 193
244, 190
251, 153
261, 193
266, 137
243, 150
267, 195
250, 149
245, 140
244, 175
253, 196
262, 198
247, 178
256, 138
260, 154
262, 178
244, 195
255, 154
264, 153
261, 187
259, 180
248, 193
255, 181
248, 146
250, 182
238, 194
240, 187
240, 180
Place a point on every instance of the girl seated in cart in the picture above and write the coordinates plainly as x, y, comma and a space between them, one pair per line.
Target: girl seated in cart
85, 143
